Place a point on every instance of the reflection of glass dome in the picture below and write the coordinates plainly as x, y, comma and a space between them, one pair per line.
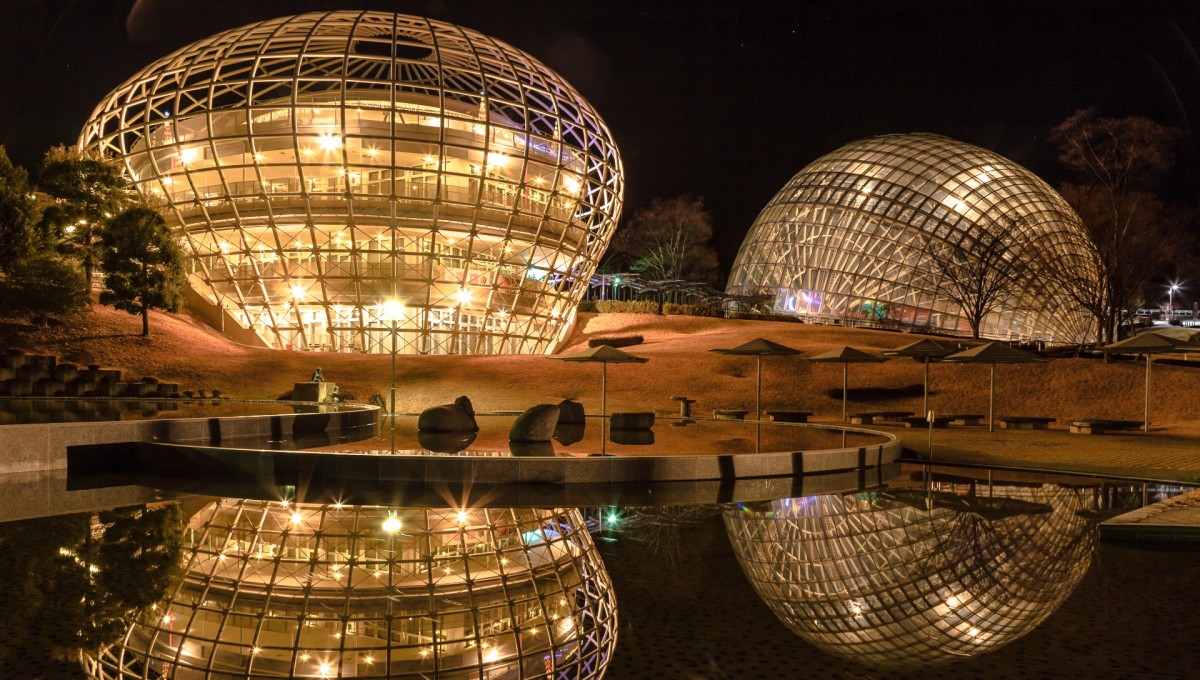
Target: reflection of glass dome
849, 237
881, 582
321, 591
326, 168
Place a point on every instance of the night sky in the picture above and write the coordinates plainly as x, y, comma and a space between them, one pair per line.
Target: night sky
728, 100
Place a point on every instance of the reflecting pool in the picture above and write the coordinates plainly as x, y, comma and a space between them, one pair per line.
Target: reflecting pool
955, 573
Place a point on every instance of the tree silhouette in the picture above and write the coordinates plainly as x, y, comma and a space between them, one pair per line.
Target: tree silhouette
982, 271
1118, 164
143, 264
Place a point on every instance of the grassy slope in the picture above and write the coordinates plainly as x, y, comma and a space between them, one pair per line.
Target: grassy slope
183, 349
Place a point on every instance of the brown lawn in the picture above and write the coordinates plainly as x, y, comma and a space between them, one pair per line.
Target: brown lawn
183, 349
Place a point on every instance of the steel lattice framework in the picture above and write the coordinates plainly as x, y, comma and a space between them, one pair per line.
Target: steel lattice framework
344, 180
884, 582
849, 238
325, 591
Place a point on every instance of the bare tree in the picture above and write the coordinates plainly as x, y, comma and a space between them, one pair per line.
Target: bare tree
981, 272
1118, 166
669, 241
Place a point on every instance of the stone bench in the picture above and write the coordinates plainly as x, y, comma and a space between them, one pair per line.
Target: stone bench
1024, 422
868, 417
969, 419
789, 416
631, 421
729, 414
1100, 426
685, 406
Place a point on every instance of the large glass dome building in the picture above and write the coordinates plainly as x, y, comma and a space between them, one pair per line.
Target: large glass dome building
346, 180
849, 239
294, 590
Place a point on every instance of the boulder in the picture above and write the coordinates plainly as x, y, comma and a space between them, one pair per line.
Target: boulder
531, 449
570, 412
535, 425
456, 417
445, 442
568, 433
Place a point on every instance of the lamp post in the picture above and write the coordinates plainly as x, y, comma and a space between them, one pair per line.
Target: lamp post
1171, 302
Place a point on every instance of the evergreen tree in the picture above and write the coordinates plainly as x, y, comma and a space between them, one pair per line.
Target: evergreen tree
143, 264
88, 190
44, 286
19, 234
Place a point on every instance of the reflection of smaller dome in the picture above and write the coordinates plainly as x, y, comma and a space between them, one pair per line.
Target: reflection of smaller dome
883, 582
298, 590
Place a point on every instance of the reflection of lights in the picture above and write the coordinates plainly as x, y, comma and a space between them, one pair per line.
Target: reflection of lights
856, 608
974, 632
952, 601
492, 655
391, 524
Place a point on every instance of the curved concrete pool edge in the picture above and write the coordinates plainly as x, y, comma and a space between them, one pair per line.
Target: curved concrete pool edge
40, 447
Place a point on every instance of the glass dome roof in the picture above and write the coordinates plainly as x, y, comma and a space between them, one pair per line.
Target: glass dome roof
849, 239
345, 180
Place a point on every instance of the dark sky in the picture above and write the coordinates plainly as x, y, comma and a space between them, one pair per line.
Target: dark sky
728, 100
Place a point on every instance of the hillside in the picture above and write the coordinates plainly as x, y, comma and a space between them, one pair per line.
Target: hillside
183, 349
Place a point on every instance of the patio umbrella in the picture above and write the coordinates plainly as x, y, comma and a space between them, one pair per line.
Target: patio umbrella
1149, 343
924, 349
846, 356
604, 355
993, 353
759, 348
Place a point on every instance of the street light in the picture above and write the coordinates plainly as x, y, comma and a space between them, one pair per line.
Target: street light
1171, 301
393, 310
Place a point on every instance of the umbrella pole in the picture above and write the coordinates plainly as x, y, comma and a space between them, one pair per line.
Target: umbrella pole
925, 403
992, 402
603, 399
758, 391
845, 384
1146, 424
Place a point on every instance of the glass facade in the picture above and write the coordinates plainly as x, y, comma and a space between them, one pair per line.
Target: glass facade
344, 181
877, 578
279, 590
849, 239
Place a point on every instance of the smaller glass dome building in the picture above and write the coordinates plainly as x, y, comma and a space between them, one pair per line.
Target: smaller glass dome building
852, 238
886, 582
292, 590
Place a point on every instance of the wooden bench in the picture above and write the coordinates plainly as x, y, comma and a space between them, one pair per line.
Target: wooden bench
729, 414
1100, 425
919, 421
868, 417
1024, 422
789, 416
964, 419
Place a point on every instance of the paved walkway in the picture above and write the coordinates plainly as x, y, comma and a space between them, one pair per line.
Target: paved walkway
1166, 453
